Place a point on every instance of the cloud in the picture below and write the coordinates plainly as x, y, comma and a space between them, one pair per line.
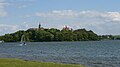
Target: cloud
24, 26
2, 0
21, 3
3, 13
100, 22
107, 16
6, 28
60, 14
112, 16
22, 6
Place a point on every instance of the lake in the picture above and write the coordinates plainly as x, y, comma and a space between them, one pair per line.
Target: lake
89, 53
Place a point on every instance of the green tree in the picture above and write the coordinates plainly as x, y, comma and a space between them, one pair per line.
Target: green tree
38, 35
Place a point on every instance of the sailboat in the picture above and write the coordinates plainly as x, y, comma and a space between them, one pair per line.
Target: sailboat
22, 40
1, 41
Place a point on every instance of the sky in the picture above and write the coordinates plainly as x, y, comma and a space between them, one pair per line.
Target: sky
101, 16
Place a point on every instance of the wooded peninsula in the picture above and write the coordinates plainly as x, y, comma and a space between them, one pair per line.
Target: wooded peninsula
47, 35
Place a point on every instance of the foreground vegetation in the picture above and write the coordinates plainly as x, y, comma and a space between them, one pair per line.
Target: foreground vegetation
40, 35
22, 63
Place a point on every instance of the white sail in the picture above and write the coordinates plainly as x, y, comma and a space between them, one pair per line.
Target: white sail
23, 40
1, 41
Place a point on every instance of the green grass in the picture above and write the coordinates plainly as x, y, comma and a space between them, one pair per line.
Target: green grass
5, 62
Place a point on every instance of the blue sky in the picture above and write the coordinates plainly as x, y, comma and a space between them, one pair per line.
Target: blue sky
101, 16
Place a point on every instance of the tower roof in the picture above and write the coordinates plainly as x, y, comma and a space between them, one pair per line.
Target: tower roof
39, 25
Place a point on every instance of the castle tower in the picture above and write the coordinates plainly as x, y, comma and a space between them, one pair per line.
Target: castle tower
66, 28
39, 26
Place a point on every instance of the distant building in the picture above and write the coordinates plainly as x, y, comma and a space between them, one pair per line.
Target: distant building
39, 28
33, 29
66, 28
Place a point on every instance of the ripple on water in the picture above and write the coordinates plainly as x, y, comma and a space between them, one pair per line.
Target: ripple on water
92, 53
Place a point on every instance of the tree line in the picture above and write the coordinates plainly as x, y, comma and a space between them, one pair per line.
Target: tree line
52, 34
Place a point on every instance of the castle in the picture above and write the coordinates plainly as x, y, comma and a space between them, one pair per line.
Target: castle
39, 28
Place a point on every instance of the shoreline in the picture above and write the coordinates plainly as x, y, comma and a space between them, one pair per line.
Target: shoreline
10, 62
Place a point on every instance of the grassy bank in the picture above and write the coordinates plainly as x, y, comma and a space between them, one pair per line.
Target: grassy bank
5, 62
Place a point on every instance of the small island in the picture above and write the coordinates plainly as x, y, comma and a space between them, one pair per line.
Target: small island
41, 34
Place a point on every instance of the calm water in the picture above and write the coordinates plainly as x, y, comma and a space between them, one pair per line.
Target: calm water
92, 53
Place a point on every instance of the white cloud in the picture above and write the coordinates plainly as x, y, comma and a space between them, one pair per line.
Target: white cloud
24, 25
22, 6
112, 16
60, 14
2, 8
106, 16
4, 28
2, 13
26, 16
2, 0
100, 22
21, 3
